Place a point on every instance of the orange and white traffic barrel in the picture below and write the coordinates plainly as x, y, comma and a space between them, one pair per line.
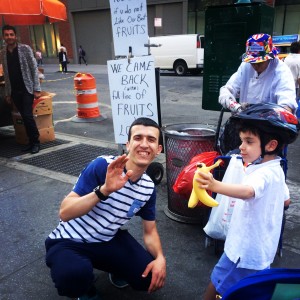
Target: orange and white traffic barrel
86, 98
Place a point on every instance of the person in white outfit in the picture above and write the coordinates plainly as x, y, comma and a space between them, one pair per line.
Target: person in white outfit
293, 62
261, 78
255, 226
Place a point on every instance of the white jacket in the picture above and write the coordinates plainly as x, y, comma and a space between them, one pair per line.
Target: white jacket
275, 85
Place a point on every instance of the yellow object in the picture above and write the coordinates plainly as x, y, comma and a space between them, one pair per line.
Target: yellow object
199, 194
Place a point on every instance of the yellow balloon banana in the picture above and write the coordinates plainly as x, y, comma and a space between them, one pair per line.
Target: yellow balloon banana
201, 194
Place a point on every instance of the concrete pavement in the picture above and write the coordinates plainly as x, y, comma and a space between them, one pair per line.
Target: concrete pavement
31, 189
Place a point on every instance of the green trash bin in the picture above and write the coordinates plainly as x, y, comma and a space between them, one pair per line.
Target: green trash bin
182, 143
227, 27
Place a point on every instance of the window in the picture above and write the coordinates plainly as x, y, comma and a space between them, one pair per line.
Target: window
46, 38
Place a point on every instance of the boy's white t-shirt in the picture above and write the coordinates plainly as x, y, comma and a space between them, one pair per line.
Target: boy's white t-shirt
256, 222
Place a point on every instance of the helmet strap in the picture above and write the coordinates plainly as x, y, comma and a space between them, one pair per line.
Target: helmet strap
262, 145
257, 161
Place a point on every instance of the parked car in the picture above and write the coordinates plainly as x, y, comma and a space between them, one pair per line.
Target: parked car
181, 53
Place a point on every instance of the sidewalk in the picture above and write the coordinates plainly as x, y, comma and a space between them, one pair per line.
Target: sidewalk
31, 190
30, 197
74, 68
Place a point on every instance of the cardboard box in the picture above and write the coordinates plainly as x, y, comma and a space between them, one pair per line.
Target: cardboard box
46, 135
43, 105
44, 124
42, 121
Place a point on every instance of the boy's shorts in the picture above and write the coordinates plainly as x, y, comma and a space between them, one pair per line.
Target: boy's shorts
226, 274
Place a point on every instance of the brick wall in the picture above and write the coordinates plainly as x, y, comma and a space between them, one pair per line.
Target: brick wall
24, 35
64, 30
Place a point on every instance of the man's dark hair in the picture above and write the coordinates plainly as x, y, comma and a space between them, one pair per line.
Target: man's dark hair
8, 27
146, 122
295, 47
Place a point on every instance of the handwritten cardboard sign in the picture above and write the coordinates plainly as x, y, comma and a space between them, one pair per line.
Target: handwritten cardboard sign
130, 26
132, 93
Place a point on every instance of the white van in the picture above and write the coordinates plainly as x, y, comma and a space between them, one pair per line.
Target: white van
180, 53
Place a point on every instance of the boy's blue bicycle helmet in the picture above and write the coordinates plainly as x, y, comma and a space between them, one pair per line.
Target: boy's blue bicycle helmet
273, 119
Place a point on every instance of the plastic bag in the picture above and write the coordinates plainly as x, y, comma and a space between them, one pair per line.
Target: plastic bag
220, 216
184, 182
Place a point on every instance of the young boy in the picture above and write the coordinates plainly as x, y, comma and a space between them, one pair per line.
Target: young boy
255, 226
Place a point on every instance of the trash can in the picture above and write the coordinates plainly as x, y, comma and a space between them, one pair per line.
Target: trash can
182, 143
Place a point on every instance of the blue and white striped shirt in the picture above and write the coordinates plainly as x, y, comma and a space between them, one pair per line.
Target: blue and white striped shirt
104, 220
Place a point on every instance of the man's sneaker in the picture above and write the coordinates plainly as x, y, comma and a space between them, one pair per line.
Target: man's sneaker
27, 148
117, 282
35, 148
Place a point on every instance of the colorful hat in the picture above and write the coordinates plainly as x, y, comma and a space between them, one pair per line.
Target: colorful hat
259, 48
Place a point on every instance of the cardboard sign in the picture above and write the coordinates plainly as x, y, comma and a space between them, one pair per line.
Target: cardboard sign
130, 27
132, 93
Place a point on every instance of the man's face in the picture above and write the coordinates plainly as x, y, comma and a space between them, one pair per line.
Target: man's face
260, 67
9, 37
143, 145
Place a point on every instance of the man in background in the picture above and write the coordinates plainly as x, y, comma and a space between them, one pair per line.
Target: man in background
64, 49
22, 83
63, 60
81, 55
293, 62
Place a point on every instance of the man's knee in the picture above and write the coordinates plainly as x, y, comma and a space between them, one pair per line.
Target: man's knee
73, 282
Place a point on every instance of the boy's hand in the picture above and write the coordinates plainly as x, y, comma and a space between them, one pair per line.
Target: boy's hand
206, 180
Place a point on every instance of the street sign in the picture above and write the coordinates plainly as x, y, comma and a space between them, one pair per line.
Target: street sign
285, 39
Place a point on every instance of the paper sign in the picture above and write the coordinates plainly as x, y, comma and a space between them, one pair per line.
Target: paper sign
130, 26
132, 93
157, 22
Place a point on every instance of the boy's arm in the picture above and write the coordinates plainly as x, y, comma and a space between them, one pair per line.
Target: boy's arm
207, 181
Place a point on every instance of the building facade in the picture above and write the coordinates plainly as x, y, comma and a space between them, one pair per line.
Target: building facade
89, 25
